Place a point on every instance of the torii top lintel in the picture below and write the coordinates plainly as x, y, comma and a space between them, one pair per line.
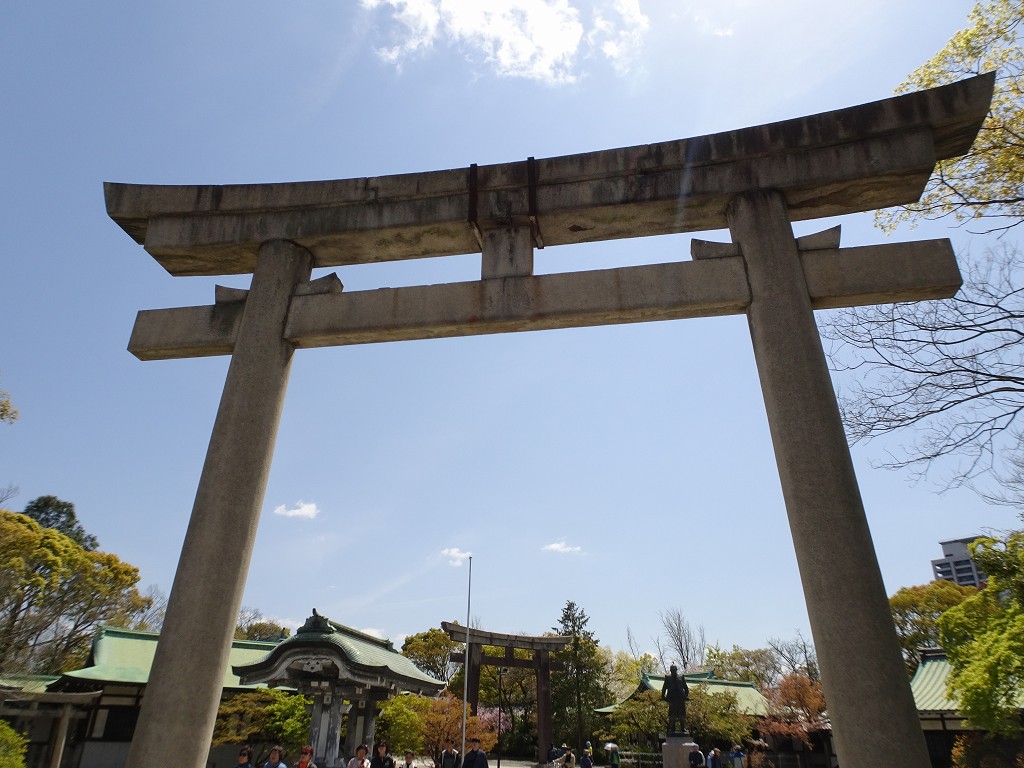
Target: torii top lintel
849, 160
457, 632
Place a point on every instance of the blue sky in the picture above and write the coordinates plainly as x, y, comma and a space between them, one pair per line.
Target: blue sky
627, 468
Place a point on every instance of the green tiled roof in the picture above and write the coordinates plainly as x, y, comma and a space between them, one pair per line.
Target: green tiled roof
748, 699
360, 650
27, 683
126, 656
930, 683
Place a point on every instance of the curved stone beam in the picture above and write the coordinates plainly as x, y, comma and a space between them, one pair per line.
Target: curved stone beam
845, 161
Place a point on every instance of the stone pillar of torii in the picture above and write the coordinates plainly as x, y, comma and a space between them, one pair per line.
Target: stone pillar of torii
752, 181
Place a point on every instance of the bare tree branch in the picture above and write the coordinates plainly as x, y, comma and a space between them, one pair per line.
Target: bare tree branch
687, 644
952, 370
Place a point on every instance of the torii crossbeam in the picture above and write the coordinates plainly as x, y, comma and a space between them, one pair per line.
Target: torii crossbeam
754, 181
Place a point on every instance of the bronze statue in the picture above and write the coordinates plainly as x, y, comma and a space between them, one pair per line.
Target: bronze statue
675, 692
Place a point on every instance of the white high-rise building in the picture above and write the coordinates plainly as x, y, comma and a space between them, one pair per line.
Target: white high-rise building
956, 565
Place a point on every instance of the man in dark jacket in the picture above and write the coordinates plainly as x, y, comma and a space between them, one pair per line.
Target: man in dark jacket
475, 757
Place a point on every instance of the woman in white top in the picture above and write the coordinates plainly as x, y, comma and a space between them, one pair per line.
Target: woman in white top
360, 761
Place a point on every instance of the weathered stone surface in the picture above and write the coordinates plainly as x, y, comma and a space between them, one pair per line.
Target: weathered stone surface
869, 699
855, 159
712, 287
184, 687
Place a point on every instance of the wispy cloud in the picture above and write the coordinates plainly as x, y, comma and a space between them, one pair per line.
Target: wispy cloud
301, 509
541, 40
455, 555
562, 548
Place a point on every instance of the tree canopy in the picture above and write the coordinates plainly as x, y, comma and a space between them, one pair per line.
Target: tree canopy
984, 639
796, 708
948, 372
253, 625
580, 686
54, 595
986, 184
261, 719
51, 512
431, 652
760, 666
423, 724
916, 612
8, 413
13, 746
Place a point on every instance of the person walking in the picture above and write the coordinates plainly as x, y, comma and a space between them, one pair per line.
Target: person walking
736, 756
382, 758
360, 760
245, 757
450, 757
696, 758
276, 758
714, 758
475, 757
306, 757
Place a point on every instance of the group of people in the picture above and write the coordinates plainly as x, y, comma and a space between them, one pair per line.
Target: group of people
564, 756
714, 758
450, 758
276, 758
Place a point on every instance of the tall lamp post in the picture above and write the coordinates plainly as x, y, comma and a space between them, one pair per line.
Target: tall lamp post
501, 674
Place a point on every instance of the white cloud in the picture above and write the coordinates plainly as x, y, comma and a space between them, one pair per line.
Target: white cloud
373, 632
301, 509
533, 39
621, 38
455, 555
562, 548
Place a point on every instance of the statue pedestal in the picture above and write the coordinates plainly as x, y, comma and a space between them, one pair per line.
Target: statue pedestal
675, 752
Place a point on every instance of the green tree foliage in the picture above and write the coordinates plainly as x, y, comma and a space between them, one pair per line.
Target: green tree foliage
916, 612
760, 666
948, 372
443, 721
430, 651
518, 702
714, 716
796, 708
263, 718
51, 512
987, 182
710, 717
253, 625
984, 639
402, 721
978, 750
627, 670
8, 412
12, 747
54, 595
949, 369
580, 686
637, 721
422, 725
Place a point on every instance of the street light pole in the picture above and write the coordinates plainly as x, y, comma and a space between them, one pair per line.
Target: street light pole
501, 674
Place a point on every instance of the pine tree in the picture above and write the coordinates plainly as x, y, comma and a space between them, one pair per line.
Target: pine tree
580, 686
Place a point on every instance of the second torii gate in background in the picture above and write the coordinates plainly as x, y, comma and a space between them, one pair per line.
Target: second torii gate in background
753, 181
541, 664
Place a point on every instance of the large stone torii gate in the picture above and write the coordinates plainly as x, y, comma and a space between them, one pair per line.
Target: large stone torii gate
754, 181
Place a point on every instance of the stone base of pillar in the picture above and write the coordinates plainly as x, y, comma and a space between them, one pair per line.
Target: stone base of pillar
675, 752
